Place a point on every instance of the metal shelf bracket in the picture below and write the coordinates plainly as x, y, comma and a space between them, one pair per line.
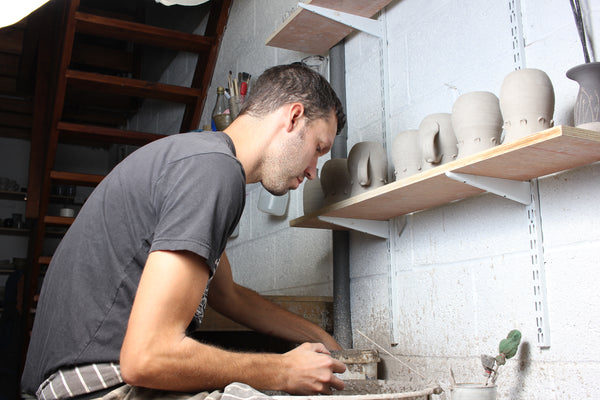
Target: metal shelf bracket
518, 191
367, 25
372, 227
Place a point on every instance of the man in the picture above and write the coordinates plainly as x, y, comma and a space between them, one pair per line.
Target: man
131, 276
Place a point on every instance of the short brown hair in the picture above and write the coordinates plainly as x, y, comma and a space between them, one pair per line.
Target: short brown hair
284, 84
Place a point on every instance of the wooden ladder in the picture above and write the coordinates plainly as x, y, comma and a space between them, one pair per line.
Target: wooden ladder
44, 147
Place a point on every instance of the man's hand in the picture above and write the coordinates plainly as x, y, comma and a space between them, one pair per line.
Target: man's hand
311, 370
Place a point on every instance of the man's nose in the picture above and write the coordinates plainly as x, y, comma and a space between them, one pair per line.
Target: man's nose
311, 171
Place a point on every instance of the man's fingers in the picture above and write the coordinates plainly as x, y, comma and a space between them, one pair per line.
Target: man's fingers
337, 383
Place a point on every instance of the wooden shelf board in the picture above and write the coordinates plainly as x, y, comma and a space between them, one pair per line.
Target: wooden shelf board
311, 33
97, 134
547, 152
132, 87
14, 231
74, 178
142, 33
55, 220
12, 195
45, 260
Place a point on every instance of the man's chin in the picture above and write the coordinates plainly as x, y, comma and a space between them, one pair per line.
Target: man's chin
276, 191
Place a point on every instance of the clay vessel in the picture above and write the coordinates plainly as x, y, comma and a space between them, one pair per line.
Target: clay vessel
526, 103
271, 204
335, 181
477, 122
473, 391
312, 195
406, 154
438, 141
587, 106
367, 166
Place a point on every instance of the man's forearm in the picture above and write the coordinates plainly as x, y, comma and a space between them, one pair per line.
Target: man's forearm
262, 315
192, 366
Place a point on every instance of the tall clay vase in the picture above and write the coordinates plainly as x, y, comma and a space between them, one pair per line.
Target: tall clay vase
335, 181
477, 122
438, 141
312, 195
526, 103
587, 106
406, 154
367, 166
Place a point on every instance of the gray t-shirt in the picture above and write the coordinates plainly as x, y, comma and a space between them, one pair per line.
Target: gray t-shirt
183, 192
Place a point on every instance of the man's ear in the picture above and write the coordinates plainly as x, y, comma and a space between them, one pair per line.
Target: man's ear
295, 114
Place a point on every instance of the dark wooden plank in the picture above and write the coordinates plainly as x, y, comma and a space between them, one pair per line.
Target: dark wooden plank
141, 33
45, 260
91, 134
132, 87
54, 220
74, 178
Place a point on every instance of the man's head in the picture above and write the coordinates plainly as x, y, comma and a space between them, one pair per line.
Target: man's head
293, 83
298, 115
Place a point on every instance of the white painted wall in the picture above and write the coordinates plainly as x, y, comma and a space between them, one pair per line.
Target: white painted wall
461, 272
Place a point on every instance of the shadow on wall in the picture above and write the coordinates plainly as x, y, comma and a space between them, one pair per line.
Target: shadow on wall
524, 368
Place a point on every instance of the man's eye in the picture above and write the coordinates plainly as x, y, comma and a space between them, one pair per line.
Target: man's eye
318, 149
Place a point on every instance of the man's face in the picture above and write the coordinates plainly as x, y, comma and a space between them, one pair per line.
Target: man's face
295, 155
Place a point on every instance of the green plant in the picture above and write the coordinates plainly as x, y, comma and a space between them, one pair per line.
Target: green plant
506, 349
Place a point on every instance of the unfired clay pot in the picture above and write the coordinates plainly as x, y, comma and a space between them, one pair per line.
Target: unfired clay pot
312, 195
438, 141
526, 103
477, 122
587, 106
367, 166
335, 181
406, 154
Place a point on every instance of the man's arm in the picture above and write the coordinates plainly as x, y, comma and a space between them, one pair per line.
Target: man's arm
254, 311
156, 352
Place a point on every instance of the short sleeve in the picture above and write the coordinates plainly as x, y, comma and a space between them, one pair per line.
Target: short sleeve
198, 200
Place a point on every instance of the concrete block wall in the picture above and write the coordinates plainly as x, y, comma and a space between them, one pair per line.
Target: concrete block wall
458, 278
461, 273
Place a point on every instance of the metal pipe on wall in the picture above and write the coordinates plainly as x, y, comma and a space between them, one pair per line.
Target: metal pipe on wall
342, 322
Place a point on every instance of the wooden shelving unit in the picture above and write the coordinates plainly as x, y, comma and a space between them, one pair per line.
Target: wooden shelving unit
547, 152
311, 33
12, 195
14, 231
